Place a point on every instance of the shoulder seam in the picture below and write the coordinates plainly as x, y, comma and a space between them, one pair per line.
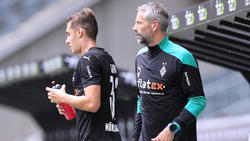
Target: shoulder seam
181, 54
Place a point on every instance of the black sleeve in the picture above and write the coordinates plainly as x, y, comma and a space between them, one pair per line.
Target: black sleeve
137, 128
90, 71
138, 120
192, 88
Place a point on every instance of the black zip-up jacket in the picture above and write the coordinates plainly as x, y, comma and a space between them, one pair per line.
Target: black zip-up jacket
170, 91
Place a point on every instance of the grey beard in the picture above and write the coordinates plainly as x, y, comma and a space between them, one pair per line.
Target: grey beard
144, 42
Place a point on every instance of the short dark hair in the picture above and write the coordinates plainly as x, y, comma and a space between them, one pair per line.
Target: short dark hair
155, 11
85, 18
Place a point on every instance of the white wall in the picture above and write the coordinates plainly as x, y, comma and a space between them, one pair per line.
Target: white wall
18, 125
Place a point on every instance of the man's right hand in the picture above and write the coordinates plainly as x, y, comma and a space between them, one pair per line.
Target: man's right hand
165, 135
60, 109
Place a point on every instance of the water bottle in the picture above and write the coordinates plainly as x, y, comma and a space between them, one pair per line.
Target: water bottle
70, 112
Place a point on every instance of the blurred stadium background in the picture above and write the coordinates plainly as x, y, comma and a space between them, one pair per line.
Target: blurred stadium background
33, 53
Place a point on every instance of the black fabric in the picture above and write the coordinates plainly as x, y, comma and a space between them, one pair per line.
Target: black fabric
164, 92
137, 128
96, 67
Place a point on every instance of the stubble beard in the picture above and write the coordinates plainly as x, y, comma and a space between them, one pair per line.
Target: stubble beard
145, 39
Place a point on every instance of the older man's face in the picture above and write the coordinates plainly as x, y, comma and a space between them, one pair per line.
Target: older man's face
143, 29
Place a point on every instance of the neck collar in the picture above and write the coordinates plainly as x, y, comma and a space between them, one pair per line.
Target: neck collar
163, 43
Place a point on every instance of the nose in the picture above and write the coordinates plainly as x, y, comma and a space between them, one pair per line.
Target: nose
134, 28
67, 40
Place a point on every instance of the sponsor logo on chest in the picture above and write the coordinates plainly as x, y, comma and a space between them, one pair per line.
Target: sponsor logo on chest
149, 85
146, 84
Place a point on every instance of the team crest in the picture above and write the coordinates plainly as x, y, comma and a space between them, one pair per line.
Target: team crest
163, 69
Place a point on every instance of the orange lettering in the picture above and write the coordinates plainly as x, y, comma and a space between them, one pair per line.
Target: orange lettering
159, 86
76, 91
153, 86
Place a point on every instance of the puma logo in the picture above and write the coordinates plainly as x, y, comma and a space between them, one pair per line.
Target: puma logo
86, 57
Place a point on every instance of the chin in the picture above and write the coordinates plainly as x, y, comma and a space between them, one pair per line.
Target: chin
139, 41
73, 52
76, 52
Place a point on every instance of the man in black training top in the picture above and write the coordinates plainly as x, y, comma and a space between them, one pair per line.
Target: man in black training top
95, 80
168, 79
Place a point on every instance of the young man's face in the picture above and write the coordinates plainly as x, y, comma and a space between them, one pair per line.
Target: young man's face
72, 39
143, 29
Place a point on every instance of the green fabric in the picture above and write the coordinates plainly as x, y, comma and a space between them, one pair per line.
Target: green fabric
138, 105
142, 50
196, 105
179, 52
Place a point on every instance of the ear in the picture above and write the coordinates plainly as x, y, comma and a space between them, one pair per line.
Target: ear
155, 25
80, 32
